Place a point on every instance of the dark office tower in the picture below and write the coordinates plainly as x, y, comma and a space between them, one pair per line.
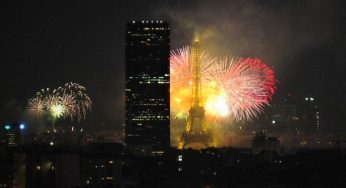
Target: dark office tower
311, 119
147, 87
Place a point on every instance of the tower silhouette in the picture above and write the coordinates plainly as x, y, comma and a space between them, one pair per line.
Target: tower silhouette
196, 128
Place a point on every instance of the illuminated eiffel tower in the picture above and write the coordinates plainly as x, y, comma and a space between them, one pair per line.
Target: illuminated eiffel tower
196, 128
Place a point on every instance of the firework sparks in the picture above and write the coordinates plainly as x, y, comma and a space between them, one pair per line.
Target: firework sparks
50, 97
82, 102
232, 87
36, 106
181, 66
248, 84
69, 103
57, 110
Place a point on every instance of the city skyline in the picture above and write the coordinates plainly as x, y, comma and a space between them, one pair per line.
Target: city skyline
173, 93
59, 47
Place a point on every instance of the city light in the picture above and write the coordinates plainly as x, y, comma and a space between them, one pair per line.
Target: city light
22, 126
7, 127
180, 158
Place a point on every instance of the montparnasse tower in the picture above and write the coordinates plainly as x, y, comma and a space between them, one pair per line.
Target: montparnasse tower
196, 130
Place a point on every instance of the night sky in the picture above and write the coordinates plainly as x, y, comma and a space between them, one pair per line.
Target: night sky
46, 44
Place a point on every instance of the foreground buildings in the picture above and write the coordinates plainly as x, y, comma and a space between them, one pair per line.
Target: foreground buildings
147, 86
98, 163
109, 165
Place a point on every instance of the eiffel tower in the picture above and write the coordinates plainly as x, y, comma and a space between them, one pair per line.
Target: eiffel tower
196, 128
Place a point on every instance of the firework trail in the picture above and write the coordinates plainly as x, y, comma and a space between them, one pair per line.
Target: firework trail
232, 87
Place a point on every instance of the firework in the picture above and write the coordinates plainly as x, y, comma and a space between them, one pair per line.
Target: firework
181, 66
70, 101
50, 97
36, 106
82, 102
57, 110
247, 83
231, 87
69, 104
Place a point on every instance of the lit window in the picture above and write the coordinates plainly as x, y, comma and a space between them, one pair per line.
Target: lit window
180, 157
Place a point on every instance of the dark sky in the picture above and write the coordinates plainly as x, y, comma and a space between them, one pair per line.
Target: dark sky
45, 44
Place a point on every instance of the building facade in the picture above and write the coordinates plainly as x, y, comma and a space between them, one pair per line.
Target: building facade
12, 134
295, 119
147, 86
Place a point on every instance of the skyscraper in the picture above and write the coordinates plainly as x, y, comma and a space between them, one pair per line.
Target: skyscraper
311, 119
147, 86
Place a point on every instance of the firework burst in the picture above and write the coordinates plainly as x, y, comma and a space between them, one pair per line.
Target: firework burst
247, 83
36, 106
70, 101
232, 87
50, 97
82, 102
181, 66
57, 110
